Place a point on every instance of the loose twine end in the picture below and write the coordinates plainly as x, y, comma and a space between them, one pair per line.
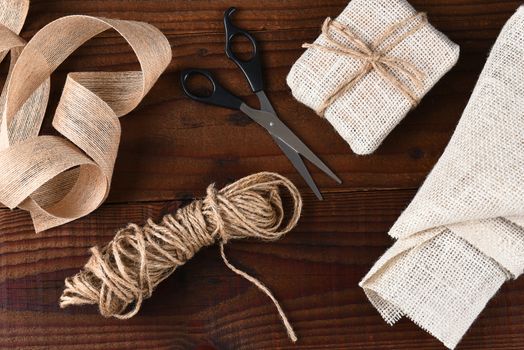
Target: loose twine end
121, 275
290, 332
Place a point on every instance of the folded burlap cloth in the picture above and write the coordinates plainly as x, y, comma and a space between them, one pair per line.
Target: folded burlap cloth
61, 178
369, 67
462, 236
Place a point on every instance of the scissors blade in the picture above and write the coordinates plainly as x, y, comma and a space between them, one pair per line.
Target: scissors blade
271, 122
298, 163
265, 104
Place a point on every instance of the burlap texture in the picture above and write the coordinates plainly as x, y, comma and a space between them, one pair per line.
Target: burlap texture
367, 113
462, 236
61, 178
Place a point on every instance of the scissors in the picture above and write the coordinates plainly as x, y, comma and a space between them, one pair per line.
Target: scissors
266, 116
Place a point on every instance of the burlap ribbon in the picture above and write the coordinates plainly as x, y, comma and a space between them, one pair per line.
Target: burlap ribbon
375, 56
59, 179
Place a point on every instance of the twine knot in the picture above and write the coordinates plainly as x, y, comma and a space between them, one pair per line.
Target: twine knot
212, 201
374, 56
121, 275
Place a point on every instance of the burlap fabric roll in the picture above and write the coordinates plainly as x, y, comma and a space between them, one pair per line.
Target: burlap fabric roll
462, 236
370, 67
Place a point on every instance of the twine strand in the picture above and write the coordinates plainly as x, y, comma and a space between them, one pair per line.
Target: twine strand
374, 57
124, 273
290, 331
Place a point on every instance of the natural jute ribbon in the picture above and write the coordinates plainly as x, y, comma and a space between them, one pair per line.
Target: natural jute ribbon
375, 57
59, 179
121, 275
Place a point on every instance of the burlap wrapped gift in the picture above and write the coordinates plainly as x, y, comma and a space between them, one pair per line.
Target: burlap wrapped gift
382, 58
462, 236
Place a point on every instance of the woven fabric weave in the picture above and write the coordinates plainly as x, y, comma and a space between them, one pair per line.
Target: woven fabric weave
58, 179
367, 113
462, 236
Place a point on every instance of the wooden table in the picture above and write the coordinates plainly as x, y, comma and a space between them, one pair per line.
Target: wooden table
172, 148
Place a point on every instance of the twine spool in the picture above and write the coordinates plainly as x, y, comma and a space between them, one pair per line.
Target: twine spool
121, 275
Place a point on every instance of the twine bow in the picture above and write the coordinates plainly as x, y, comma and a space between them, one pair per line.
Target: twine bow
121, 275
59, 179
374, 56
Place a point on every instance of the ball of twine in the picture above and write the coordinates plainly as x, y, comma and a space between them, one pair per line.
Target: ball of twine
121, 275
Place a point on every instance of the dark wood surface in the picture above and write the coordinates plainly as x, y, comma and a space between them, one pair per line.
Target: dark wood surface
173, 148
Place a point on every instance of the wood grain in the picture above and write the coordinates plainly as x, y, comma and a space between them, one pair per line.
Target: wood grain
173, 148
314, 272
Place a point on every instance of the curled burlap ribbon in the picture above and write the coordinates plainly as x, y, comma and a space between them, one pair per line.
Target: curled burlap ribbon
122, 274
374, 57
59, 179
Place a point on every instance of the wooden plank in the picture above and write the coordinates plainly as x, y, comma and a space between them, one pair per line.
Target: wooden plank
314, 272
172, 147
202, 16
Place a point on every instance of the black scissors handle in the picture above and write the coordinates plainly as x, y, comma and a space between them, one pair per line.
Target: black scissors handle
219, 96
252, 68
